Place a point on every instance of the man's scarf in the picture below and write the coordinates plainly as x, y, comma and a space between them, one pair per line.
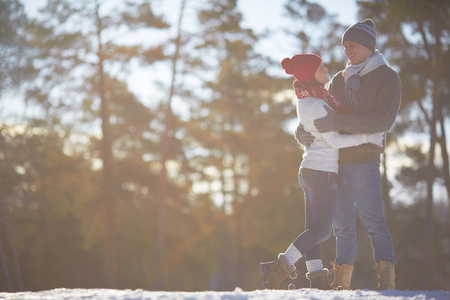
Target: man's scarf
304, 90
353, 73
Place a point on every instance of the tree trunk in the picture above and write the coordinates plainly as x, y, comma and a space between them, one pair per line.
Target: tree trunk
426, 258
437, 96
108, 195
165, 148
225, 240
237, 217
436, 63
444, 153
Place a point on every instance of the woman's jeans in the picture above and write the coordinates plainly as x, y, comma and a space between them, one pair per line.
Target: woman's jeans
360, 187
320, 189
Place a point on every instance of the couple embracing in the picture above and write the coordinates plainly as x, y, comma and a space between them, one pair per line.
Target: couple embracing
343, 133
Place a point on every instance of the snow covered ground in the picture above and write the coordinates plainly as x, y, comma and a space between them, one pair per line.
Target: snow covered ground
237, 294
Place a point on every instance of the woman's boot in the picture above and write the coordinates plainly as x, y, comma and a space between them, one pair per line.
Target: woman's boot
319, 279
275, 272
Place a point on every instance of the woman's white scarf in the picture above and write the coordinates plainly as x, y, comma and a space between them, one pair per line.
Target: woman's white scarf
352, 74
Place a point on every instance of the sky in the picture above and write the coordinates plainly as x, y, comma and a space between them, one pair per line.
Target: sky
271, 15
259, 15
237, 294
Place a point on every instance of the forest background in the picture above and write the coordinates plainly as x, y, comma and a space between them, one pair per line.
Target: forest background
191, 188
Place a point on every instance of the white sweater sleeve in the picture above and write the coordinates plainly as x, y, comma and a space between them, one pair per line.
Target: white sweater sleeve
316, 109
336, 140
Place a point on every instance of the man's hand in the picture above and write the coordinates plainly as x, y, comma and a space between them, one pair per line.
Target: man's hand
331, 122
303, 137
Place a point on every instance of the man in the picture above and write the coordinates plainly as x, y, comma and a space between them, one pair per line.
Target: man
372, 91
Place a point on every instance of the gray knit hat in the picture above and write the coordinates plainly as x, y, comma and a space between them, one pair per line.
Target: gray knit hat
363, 33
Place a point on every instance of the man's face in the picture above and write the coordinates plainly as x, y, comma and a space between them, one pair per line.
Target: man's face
355, 52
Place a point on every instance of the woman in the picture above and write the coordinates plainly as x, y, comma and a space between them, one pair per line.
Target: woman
318, 172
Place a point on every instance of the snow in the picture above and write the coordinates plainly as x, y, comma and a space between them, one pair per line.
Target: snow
237, 294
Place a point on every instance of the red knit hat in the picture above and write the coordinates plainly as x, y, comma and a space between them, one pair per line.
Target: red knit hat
302, 66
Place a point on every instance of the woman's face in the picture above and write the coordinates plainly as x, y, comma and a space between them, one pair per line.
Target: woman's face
321, 74
355, 52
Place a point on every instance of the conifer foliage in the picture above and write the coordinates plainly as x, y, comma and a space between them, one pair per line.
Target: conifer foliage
80, 164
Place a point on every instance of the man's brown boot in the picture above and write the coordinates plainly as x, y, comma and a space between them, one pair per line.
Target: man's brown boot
319, 279
342, 276
275, 272
386, 275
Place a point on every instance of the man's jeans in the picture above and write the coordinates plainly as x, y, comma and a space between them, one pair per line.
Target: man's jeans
320, 190
360, 187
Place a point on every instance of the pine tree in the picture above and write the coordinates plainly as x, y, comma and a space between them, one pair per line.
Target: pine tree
15, 52
78, 51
